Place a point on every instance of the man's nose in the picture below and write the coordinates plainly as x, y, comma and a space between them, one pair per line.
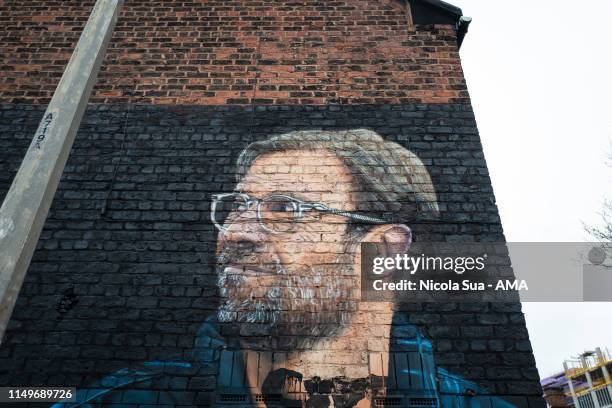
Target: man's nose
242, 227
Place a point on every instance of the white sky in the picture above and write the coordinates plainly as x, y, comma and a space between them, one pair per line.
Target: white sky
540, 78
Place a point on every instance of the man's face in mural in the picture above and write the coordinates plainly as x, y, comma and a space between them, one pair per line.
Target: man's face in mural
300, 272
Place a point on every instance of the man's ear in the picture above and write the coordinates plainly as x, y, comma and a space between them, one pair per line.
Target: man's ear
392, 239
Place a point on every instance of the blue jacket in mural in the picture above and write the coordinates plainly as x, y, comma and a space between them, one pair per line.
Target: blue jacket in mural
162, 382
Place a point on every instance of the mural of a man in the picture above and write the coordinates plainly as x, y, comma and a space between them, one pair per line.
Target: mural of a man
291, 329
288, 255
288, 251
290, 232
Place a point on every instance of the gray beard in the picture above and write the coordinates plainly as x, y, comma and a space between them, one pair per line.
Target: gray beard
318, 301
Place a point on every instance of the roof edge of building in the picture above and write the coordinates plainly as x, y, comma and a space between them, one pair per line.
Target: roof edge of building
444, 6
440, 12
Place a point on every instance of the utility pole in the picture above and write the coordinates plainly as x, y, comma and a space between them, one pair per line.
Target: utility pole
27, 203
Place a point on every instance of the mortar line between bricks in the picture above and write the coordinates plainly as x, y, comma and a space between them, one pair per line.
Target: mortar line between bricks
122, 154
257, 58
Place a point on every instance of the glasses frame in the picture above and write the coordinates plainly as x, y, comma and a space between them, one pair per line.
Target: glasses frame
300, 207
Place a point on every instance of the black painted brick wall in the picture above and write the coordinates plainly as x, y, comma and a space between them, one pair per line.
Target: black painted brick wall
142, 273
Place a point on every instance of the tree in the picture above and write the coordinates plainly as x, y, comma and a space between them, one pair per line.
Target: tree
603, 233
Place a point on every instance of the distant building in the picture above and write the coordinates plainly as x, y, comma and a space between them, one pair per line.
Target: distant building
556, 391
585, 382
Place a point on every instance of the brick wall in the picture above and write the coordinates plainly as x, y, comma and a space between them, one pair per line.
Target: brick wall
124, 273
237, 52
142, 271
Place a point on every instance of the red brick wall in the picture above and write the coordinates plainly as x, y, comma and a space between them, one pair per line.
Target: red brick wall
212, 52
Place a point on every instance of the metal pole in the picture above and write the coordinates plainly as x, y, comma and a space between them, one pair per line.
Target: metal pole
571, 385
585, 366
27, 203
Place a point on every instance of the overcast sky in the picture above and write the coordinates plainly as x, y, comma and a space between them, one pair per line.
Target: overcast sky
539, 75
